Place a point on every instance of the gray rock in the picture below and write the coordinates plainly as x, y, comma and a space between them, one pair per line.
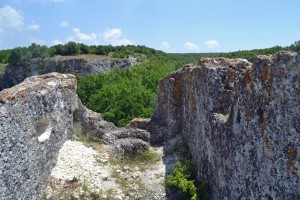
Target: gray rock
76, 66
240, 121
35, 121
130, 147
128, 141
36, 118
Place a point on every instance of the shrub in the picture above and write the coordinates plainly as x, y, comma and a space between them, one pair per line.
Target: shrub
184, 177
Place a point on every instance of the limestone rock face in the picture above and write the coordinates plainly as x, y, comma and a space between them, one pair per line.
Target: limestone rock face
241, 122
76, 66
36, 118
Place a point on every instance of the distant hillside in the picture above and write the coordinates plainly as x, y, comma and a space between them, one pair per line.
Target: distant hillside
246, 54
22, 55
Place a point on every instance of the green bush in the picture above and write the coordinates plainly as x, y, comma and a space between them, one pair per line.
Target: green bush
124, 94
184, 177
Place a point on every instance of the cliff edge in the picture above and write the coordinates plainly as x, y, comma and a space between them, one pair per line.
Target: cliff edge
76, 65
241, 122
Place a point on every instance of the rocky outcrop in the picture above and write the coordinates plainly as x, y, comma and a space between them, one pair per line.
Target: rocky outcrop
69, 65
36, 118
128, 141
241, 122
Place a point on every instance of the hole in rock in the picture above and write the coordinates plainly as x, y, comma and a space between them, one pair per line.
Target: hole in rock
76, 115
77, 122
43, 129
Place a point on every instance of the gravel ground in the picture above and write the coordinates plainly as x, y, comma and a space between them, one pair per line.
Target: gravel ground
85, 172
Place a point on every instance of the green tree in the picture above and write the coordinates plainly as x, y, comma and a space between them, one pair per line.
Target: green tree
84, 49
4, 55
19, 57
38, 51
71, 48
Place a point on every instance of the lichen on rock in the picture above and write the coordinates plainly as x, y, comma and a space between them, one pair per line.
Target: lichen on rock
241, 122
36, 118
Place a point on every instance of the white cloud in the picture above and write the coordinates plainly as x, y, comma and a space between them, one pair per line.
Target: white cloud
34, 27
83, 36
121, 42
78, 36
56, 41
165, 46
64, 24
191, 46
10, 19
212, 44
112, 34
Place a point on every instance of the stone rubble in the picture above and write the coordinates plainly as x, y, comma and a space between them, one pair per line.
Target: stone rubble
93, 171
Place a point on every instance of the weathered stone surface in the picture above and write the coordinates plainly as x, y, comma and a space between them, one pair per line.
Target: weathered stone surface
75, 66
128, 141
92, 124
139, 123
240, 121
36, 118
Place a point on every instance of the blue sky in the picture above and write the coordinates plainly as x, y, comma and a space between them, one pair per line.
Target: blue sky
169, 25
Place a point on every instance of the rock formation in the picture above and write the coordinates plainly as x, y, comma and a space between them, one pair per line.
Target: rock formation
76, 66
127, 141
241, 122
36, 118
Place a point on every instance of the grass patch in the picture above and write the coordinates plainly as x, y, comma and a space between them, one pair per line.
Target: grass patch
82, 56
148, 157
142, 160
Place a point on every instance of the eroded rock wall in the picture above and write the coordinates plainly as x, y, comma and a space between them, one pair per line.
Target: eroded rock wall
241, 122
76, 66
36, 118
